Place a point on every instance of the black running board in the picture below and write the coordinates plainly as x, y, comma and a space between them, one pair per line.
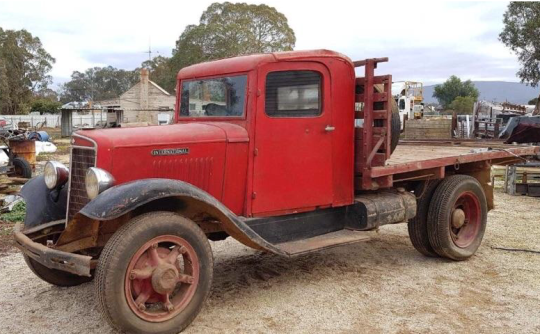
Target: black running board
306, 232
324, 241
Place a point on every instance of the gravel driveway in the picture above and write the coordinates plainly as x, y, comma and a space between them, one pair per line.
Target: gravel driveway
379, 286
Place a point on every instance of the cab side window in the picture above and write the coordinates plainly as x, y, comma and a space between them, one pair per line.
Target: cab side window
293, 94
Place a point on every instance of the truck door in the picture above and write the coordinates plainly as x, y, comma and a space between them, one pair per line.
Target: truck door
293, 139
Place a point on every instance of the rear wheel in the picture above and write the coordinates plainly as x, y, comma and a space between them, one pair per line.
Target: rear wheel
418, 226
395, 122
54, 276
457, 217
154, 274
396, 130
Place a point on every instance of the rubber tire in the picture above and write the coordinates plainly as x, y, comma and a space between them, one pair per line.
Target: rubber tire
55, 276
395, 131
24, 167
114, 260
395, 122
418, 226
440, 211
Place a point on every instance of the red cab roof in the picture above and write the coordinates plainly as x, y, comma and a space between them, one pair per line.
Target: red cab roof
247, 63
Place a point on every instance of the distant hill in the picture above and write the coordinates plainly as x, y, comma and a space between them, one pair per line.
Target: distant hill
499, 91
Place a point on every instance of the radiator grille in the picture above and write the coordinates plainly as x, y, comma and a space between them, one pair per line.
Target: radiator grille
197, 171
81, 160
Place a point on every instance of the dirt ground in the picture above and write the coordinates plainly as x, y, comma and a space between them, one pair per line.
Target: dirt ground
379, 286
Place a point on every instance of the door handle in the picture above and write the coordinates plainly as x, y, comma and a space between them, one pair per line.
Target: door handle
329, 128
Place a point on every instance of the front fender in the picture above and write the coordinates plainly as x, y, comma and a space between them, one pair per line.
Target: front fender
42, 204
126, 197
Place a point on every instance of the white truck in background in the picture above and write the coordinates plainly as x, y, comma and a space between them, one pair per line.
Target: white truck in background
409, 99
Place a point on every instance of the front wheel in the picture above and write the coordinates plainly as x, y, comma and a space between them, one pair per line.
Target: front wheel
457, 217
154, 274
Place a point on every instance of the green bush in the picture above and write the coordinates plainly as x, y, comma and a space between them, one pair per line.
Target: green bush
45, 106
16, 215
463, 105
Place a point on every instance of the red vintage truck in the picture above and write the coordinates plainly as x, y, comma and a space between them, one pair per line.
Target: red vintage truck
287, 153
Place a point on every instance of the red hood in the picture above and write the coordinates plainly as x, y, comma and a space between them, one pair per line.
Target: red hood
127, 153
185, 133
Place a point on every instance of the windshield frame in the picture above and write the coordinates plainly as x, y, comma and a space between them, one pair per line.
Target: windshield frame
181, 118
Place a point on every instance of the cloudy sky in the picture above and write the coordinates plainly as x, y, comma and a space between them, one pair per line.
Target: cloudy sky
426, 41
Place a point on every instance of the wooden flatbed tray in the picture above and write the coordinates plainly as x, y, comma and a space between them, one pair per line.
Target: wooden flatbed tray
417, 156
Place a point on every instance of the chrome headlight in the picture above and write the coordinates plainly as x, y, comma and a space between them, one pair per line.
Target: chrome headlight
55, 174
97, 181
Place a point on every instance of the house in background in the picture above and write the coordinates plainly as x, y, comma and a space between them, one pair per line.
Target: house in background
144, 102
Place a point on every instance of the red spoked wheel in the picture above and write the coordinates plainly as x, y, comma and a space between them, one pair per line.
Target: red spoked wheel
457, 217
161, 278
154, 274
465, 221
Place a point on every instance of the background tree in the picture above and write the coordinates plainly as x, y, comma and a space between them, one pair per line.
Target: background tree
46, 93
533, 101
463, 105
452, 88
521, 34
161, 72
5, 98
97, 83
228, 30
24, 68
45, 101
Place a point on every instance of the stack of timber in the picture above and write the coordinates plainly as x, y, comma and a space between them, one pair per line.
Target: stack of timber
428, 128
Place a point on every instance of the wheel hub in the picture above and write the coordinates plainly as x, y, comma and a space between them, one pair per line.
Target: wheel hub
164, 278
458, 218
466, 220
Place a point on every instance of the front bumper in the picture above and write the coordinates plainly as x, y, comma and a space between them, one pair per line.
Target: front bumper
51, 258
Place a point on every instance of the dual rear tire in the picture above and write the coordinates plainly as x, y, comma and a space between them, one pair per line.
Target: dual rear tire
451, 218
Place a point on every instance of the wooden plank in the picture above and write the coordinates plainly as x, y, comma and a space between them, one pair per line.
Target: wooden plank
377, 97
377, 80
377, 114
409, 158
428, 129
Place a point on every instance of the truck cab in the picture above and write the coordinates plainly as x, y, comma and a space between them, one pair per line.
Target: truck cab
293, 129
285, 152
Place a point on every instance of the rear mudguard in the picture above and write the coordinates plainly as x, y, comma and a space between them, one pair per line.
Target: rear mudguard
124, 198
42, 204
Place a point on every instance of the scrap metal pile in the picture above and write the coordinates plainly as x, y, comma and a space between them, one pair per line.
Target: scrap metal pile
522, 129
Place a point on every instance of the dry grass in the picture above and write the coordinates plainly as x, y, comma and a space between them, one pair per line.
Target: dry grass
6, 238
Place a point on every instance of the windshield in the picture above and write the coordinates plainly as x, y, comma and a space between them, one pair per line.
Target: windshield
216, 97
